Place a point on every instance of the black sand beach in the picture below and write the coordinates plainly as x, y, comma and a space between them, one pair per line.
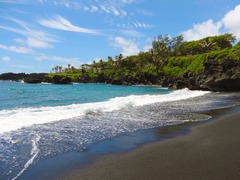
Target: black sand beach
209, 151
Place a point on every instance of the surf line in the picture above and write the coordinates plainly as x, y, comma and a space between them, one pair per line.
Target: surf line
34, 153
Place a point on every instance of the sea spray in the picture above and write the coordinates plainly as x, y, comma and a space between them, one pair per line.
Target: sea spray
42, 121
24, 117
34, 153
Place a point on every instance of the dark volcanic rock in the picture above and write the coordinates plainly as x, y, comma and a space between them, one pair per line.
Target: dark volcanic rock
221, 76
216, 76
61, 80
13, 76
37, 78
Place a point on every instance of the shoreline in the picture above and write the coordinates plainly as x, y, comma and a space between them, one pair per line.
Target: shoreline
208, 151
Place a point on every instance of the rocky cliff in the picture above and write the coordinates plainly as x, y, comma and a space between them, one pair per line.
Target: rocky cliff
215, 76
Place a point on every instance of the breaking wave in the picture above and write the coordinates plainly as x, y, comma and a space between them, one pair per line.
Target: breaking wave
11, 120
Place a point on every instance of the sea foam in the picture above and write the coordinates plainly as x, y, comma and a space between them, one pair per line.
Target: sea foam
11, 120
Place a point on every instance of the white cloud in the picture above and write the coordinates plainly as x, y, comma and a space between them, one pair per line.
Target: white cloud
128, 1
141, 25
231, 21
35, 43
18, 11
123, 12
115, 11
17, 49
28, 32
128, 46
94, 9
15, 2
104, 9
86, 8
204, 29
73, 61
145, 13
61, 23
6, 58
113, 7
132, 33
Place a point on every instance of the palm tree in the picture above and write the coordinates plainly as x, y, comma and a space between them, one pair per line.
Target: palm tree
73, 69
69, 67
207, 44
60, 68
120, 57
56, 69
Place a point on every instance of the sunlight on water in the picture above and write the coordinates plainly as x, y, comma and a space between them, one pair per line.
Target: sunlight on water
31, 132
24, 117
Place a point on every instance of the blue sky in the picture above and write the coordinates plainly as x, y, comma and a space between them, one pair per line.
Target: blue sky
36, 35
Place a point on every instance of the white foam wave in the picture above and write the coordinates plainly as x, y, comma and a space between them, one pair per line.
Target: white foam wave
15, 119
34, 153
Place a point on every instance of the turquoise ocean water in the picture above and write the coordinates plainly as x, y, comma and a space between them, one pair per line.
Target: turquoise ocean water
40, 121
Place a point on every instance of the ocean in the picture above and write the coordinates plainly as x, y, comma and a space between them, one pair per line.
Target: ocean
44, 121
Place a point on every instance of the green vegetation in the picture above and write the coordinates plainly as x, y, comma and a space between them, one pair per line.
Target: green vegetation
170, 57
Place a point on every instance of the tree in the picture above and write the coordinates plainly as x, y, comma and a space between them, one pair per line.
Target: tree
120, 57
208, 45
176, 44
56, 69
161, 49
60, 68
72, 69
69, 67
110, 61
83, 69
101, 64
211, 43
225, 40
144, 58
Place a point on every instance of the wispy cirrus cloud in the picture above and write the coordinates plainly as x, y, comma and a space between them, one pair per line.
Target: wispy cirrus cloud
134, 25
17, 49
6, 58
33, 38
19, 11
66, 60
60, 23
145, 12
131, 33
16, 2
128, 1
29, 33
34, 43
114, 7
141, 25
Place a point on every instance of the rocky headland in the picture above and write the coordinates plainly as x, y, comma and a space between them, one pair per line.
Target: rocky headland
215, 76
212, 63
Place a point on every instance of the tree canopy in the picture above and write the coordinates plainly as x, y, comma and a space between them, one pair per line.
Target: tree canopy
169, 56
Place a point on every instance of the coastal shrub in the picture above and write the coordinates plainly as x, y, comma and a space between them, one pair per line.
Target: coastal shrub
196, 63
180, 65
168, 56
235, 53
